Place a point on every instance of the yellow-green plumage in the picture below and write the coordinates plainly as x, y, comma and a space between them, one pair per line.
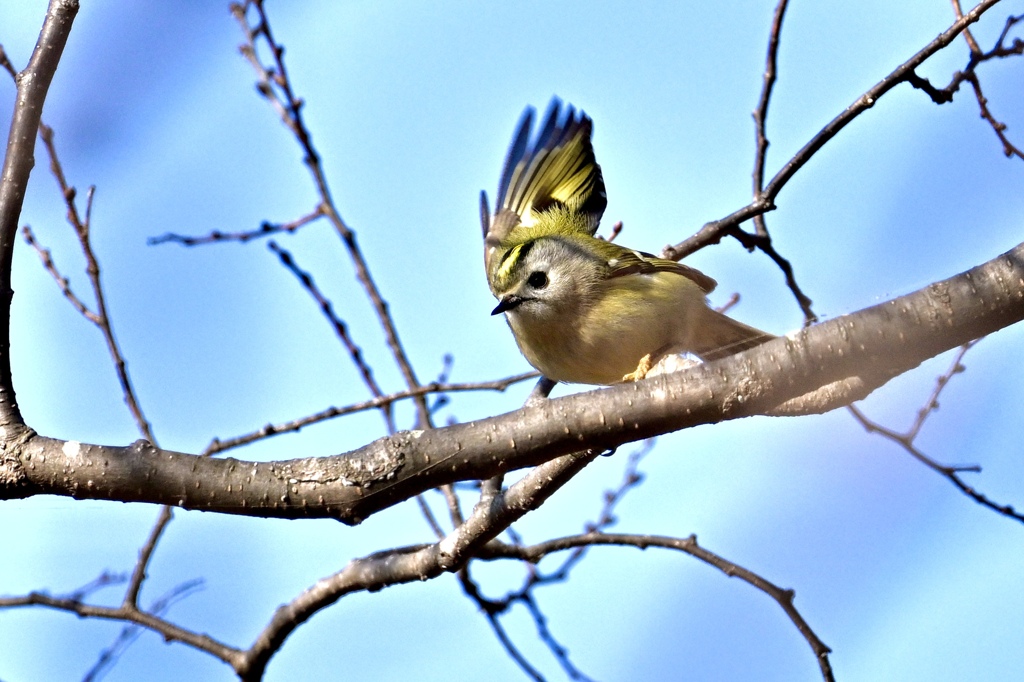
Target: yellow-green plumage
583, 309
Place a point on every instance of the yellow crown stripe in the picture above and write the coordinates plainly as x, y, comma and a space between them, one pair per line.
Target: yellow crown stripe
510, 261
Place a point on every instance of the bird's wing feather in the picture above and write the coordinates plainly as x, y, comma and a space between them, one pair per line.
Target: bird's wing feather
557, 169
627, 262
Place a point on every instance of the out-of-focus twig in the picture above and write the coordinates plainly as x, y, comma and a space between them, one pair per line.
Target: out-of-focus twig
131, 632
968, 36
146, 619
784, 597
616, 231
105, 579
730, 303
525, 594
906, 439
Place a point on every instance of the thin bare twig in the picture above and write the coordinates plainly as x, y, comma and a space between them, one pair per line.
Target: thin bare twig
784, 597
100, 318
762, 238
65, 285
971, 42
493, 614
340, 329
1000, 50
713, 232
766, 247
5, 64
221, 445
560, 652
276, 88
970, 75
105, 579
265, 230
131, 632
524, 595
1009, 149
906, 439
146, 619
131, 597
761, 112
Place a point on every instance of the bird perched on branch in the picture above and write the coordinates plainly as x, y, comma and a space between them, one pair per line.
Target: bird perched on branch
583, 309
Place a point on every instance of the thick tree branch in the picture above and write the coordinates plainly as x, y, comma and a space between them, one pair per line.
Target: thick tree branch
873, 344
494, 512
33, 84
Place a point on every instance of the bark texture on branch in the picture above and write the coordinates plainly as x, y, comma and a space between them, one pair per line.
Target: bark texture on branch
872, 345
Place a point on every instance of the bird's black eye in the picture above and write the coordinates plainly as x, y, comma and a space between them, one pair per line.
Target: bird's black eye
537, 280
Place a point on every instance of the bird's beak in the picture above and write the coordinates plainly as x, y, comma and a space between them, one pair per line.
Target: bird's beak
507, 302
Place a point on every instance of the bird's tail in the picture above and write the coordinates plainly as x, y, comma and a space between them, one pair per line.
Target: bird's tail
721, 336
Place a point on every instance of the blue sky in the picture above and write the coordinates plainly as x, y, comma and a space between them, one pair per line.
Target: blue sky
412, 106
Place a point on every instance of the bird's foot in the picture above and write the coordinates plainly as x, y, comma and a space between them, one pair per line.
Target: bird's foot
641, 369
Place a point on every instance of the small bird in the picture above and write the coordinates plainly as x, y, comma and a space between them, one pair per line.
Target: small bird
583, 309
